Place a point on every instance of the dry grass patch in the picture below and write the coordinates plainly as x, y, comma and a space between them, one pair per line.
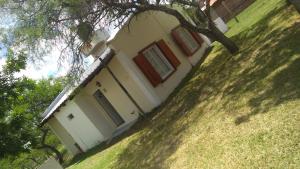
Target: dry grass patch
240, 111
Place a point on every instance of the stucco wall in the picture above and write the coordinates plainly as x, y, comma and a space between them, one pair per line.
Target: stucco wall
96, 114
63, 135
113, 92
144, 30
91, 125
83, 131
122, 68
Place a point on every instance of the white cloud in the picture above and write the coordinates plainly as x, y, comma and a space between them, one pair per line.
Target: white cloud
2, 62
48, 67
42, 69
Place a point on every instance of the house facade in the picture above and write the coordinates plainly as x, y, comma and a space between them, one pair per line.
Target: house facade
135, 72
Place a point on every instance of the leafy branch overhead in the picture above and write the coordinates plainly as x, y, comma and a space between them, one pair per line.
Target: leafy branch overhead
43, 24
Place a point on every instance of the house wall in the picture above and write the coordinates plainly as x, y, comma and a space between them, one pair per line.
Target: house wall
63, 135
81, 128
113, 92
167, 23
122, 67
95, 113
146, 29
91, 125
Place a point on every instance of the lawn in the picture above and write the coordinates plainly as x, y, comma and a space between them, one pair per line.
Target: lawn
240, 111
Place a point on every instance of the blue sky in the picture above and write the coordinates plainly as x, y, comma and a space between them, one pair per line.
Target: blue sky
3, 50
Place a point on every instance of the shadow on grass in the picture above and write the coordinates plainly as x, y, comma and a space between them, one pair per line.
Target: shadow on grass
161, 135
275, 57
269, 56
267, 51
151, 129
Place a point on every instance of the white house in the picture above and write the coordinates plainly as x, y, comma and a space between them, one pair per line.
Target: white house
144, 65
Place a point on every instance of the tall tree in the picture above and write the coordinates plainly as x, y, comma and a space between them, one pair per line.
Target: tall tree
59, 21
10, 89
31, 102
22, 100
36, 101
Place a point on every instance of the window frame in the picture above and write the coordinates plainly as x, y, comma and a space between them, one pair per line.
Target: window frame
184, 48
163, 79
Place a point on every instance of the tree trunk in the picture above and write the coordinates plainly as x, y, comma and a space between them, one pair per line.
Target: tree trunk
296, 4
59, 156
217, 35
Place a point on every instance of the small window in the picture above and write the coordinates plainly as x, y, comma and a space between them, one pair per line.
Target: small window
188, 41
70, 116
159, 62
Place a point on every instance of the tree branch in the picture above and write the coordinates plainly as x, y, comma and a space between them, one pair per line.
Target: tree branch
46, 146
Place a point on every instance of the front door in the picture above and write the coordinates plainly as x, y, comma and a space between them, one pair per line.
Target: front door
108, 107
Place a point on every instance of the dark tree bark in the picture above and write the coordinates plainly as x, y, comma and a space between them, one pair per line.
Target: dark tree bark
213, 32
59, 156
217, 35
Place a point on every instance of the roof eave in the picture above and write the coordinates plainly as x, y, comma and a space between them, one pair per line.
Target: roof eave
86, 81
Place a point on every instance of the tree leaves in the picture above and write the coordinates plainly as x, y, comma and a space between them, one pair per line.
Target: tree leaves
22, 101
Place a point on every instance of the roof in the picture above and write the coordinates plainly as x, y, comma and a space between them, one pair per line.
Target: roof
69, 91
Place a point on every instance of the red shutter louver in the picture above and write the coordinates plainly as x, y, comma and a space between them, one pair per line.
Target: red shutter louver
180, 43
168, 53
147, 69
197, 37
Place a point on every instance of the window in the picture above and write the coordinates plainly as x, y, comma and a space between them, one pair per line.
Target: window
70, 116
188, 41
157, 62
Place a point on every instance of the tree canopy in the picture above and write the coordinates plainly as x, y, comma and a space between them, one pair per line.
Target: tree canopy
60, 22
22, 101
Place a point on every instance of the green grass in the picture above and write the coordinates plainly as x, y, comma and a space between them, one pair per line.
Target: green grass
240, 111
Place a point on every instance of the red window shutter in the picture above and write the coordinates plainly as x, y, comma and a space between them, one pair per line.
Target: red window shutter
147, 69
168, 53
180, 43
197, 37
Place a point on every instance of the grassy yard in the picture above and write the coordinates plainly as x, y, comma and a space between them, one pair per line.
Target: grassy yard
240, 111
